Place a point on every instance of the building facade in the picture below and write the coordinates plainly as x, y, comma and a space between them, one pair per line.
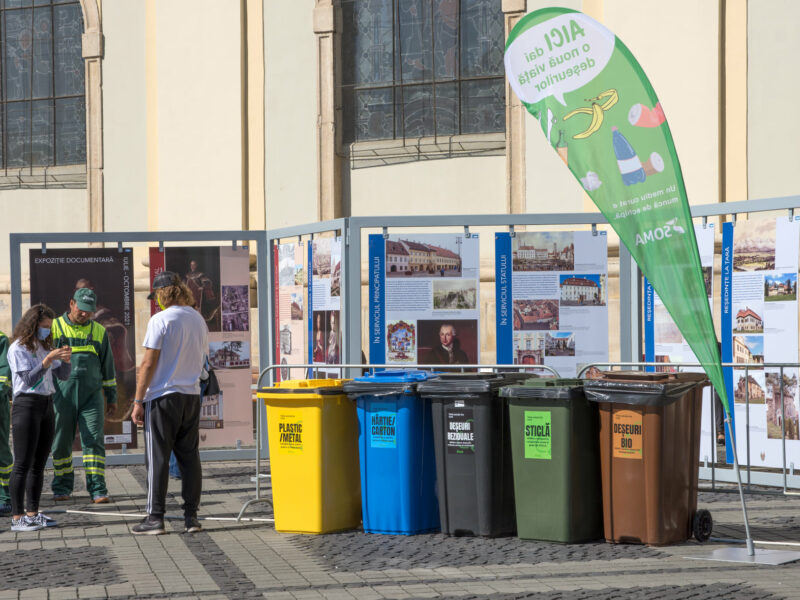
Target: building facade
298, 112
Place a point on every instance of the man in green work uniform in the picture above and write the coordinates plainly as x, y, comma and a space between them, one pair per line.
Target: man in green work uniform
6, 459
78, 401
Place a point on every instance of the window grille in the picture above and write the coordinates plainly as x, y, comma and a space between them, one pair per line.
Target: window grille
420, 68
42, 97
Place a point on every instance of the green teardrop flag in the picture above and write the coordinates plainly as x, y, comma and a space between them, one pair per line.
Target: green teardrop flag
601, 115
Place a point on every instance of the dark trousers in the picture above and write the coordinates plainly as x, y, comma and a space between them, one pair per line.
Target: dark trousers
32, 425
172, 424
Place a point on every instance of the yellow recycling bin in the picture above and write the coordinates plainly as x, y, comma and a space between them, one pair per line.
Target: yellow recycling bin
313, 450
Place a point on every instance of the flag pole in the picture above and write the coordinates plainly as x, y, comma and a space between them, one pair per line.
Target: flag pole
749, 540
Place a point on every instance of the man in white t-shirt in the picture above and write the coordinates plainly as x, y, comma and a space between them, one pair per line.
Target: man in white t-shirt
167, 400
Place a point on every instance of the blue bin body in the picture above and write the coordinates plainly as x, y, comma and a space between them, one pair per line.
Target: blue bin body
396, 452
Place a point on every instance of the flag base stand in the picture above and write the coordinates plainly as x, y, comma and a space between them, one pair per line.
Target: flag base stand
742, 555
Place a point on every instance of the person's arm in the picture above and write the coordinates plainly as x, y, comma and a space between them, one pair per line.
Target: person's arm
5, 370
146, 371
63, 370
109, 374
30, 370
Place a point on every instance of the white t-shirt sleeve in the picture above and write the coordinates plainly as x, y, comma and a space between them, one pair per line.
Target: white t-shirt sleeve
155, 334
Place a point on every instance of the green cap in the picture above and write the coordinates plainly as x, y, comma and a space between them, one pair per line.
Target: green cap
85, 299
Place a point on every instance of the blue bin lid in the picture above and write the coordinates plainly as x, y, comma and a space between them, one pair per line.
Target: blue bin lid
395, 381
397, 376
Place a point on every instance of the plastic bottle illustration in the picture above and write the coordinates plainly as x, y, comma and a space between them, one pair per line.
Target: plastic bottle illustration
561, 146
630, 167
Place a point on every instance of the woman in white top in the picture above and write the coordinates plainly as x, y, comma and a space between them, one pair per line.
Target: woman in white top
33, 361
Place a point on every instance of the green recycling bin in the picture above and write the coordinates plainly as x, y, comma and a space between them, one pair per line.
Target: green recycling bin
556, 461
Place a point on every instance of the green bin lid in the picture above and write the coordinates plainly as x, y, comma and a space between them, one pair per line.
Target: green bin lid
550, 388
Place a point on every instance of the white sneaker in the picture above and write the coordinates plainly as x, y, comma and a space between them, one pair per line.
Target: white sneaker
45, 521
25, 523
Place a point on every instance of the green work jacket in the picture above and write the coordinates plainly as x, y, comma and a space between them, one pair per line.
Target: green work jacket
92, 360
5, 370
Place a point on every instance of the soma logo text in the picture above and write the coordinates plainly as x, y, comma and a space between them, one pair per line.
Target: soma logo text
659, 233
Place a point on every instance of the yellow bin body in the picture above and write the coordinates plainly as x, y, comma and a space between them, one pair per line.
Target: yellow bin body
313, 450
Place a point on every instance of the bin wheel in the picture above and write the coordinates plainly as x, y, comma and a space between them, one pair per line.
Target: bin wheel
702, 524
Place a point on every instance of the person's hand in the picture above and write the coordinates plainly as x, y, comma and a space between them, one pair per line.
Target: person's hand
110, 410
137, 414
67, 353
62, 354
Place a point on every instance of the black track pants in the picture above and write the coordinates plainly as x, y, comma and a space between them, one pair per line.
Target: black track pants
171, 424
32, 426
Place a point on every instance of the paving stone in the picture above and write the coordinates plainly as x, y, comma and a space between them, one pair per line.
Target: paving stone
90, 555
58, 567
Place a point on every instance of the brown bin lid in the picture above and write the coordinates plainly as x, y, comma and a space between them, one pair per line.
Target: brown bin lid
645, 389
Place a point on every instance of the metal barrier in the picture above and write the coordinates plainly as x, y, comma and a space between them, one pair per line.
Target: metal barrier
362, 367
263, 266
786, 479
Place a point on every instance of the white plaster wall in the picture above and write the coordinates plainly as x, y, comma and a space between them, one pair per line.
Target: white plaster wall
124, 117
772, 86
199, 115
449, 186
290, 112
549, 186
38, 211
676, 44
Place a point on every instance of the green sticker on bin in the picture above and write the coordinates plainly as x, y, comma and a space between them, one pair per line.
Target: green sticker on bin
538, 443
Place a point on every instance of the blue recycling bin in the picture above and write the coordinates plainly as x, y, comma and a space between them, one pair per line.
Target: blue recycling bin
398, 464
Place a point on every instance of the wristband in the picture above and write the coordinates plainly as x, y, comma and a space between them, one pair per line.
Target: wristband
138, 401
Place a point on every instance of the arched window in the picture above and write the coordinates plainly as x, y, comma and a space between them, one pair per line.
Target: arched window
42, 93
416, 68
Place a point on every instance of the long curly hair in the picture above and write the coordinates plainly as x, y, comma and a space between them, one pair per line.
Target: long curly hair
176, 294
27, 330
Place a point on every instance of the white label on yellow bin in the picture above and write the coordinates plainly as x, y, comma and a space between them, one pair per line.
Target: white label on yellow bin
626, 429
290, 434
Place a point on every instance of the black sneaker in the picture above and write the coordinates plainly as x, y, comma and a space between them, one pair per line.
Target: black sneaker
192, 525
149, 526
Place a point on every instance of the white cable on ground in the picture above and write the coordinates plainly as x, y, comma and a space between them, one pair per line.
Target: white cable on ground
143, 515
735, 541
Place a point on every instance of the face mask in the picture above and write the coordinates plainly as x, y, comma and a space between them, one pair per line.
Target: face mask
44, 332
161, 306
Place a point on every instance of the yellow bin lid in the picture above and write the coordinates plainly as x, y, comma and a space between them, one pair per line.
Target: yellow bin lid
322, 387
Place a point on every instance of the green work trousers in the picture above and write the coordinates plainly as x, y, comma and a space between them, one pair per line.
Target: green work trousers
75, 408
6, 458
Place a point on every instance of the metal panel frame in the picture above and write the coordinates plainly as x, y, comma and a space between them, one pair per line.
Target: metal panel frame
351, 230
16, 240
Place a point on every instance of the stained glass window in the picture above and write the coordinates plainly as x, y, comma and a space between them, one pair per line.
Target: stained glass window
414, 68
42, 100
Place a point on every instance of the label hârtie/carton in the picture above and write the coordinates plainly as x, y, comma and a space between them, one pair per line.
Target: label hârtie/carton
626, 429
538, 440
290, 434
382, 425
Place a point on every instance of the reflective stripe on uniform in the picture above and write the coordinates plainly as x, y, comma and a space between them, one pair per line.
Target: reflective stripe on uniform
110, 383
6, 470
87, 332
62, 466
84, 349
95, 470
94, 458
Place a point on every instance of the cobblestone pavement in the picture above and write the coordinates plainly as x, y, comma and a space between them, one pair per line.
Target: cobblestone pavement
93, 556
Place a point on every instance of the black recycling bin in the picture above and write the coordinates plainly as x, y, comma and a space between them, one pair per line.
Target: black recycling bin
474, 475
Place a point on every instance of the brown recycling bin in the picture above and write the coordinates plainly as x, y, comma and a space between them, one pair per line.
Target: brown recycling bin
649, 452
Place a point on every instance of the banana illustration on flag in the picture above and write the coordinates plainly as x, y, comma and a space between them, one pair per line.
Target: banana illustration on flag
597, 110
